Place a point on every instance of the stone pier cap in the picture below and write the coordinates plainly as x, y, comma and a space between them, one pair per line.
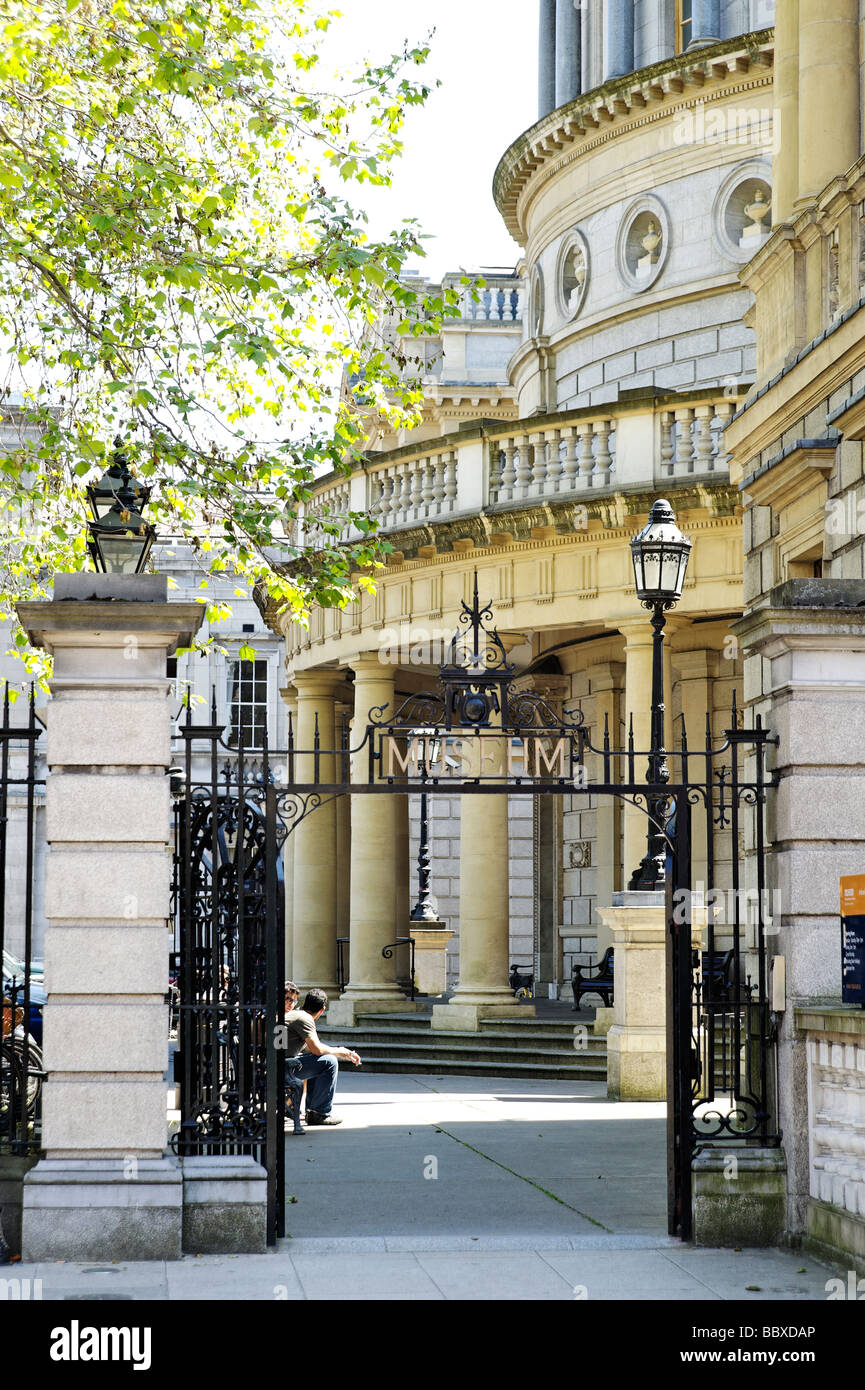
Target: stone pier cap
104, 605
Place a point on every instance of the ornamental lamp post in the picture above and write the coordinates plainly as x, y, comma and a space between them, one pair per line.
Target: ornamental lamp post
120, 538
660, 556
426, 907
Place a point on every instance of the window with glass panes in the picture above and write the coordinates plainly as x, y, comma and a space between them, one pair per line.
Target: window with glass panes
247, 702
684, 24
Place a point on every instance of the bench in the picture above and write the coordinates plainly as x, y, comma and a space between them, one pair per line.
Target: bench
600, 983
718, 982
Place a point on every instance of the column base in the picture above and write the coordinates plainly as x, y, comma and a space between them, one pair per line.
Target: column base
330, 987
224, 1205
12, 1170
739, 1196
461, 1017
344, 1012
102, 1209
603, 1022
636, 1063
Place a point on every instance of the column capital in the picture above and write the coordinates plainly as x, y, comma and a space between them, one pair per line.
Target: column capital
367, 666
606, 675
321, 683
699, 664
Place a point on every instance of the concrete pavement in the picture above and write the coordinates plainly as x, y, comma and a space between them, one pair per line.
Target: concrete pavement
467, 1189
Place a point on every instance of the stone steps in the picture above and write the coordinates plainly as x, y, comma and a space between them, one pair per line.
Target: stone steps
541, 1048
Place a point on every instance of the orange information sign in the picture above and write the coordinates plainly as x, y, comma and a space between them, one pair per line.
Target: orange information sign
853, 895
853, 939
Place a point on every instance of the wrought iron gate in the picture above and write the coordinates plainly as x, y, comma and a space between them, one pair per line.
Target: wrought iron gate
479, 733
229, 920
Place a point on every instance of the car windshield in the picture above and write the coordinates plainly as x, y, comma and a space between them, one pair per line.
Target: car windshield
12, 965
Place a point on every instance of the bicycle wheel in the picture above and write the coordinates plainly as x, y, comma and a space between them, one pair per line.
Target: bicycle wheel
11, 1087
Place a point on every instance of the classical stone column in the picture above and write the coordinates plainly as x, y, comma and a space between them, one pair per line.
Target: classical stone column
289, 695
785, 163
618, 38
567, 51
315, 846
606, 684
696, 670
546, 57
829, 115
705, 23
483, 990
105, 1190
374, 859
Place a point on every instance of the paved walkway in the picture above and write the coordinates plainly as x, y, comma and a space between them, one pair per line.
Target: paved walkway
468, 1189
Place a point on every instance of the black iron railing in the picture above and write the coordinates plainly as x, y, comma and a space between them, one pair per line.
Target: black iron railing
21, 1069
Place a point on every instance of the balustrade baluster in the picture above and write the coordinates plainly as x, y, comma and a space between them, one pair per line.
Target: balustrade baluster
603, 457
539, 466
438, 482
667, 444
428, 490
450, 481
587, 459
685, 440
417, 489
500, 304
570, 466
509, 471
704, 442
386, 511
524, 467
554, 462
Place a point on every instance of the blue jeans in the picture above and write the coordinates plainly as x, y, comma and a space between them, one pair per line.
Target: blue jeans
321, 1074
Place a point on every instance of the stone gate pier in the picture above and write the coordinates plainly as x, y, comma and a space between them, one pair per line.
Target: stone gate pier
105, 1189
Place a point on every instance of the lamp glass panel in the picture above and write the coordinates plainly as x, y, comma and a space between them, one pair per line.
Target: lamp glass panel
121, 554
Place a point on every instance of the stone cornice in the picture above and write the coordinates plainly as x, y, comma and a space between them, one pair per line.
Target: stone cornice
816, 372
637, 99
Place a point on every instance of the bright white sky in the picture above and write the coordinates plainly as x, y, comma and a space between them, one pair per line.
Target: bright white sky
485, 53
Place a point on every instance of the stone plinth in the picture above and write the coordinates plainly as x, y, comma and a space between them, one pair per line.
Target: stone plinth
637, 1038
468, 1017
739, 1196
344, 1012
430, 956
224, 1205
104, 1189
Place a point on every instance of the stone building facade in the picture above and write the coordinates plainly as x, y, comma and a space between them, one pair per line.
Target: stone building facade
797, 460
559, 404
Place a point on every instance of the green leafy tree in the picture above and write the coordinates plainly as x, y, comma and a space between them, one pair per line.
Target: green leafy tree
181, 270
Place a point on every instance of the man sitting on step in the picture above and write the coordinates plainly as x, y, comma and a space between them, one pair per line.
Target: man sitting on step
319, 1064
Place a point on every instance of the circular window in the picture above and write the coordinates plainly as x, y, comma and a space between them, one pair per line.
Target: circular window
742, 215
572, 276
643, 243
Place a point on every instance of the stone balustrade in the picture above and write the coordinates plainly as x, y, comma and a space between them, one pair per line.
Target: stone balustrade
413, 490
500, 300
837, 1073
555, 457
835, 1049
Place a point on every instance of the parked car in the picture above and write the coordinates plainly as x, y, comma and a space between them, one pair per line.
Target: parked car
14, 970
